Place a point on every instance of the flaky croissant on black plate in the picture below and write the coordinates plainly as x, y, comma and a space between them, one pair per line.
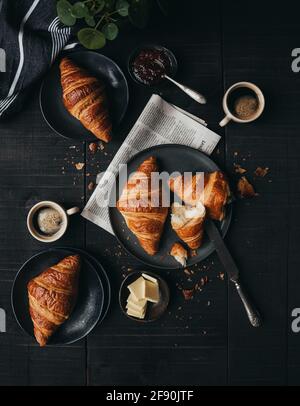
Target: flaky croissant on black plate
84, 96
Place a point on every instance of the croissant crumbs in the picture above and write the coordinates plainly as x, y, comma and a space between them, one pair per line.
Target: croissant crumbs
261, 172
245, 189
239, 169
79, 166
179, 253
93, 147
188, 294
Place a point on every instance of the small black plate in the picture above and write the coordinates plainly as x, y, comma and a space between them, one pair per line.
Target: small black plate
87, 311
154, 310
53, 109
171, 158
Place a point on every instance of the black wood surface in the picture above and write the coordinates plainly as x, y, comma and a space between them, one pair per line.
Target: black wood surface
208, 340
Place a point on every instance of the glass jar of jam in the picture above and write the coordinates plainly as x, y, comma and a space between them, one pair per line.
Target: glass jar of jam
150, 64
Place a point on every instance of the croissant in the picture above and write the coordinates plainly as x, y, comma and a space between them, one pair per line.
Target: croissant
141, 206
188, 223
85, 98
179, 253
52, 296
211, 189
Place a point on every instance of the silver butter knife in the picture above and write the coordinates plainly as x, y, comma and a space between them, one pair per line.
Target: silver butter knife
232, 271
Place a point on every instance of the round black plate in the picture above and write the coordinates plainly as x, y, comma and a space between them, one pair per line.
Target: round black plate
87, 311
154, 310
103, 276
53, 109
171, 158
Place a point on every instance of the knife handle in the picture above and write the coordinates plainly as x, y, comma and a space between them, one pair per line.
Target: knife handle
252, 313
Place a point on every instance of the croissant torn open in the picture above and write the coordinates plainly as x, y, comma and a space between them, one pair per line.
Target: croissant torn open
188, 223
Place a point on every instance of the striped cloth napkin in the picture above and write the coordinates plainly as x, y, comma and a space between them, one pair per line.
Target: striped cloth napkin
31, 37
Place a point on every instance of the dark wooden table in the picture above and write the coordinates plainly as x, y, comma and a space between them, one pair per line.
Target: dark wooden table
208, 340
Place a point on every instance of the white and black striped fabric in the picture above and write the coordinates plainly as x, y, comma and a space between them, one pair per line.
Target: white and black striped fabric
31, 36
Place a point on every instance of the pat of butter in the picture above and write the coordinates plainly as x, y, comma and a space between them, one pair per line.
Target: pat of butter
139, 315
130, 307
152, 291
137, 305
150, 278
138, 288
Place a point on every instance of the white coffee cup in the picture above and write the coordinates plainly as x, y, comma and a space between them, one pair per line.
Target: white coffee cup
230, 116
62, 212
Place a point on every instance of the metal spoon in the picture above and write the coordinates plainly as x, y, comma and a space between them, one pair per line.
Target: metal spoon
190, 92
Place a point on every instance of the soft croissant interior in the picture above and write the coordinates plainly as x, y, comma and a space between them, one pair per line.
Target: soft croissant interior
182, 214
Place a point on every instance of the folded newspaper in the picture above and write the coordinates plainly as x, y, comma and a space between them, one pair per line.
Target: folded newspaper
159, 123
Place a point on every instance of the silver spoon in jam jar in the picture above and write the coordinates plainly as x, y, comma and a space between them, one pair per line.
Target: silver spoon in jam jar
151, 64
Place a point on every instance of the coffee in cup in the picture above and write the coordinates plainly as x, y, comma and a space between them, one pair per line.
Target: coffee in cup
243, 102
48, 221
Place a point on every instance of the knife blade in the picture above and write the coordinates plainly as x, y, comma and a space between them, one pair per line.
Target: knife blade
232, 271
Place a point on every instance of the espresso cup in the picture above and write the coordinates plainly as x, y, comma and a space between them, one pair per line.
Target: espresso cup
32, 226
230, 114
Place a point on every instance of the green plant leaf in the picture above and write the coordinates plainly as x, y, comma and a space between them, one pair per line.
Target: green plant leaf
79, 10
98, 7
91, 38
110, 31
90, 20
122, 7
139, 12
64, 11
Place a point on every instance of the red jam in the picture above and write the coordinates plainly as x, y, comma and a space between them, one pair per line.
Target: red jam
150, 65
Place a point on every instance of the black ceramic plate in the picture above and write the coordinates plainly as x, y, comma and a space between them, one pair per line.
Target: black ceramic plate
103, 276
53, 109
87, 311
171, 158
154, 310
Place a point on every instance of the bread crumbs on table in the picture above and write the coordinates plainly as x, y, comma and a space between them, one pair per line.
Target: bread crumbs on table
188, 294
93, 147
79, 166
261, 172
239, 169
193, 253
245, 189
